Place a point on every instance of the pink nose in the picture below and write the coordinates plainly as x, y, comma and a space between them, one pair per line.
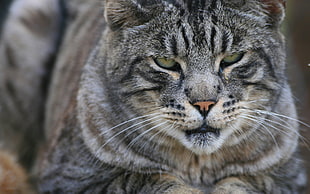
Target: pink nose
204, 106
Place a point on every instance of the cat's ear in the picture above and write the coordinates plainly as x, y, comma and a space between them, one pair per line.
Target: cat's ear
125, 13
275, 10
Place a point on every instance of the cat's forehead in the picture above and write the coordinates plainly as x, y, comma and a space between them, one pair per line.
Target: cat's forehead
211, 25
203, 11
194, 6
198, 29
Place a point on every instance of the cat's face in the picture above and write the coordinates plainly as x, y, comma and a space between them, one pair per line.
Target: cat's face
201, 75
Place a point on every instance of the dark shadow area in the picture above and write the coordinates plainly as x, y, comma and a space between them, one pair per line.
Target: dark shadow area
4, 4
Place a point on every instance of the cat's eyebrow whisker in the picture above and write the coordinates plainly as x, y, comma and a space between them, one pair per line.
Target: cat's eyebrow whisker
131, 120
262, 124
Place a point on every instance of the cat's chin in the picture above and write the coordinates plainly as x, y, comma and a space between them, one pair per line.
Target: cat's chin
203, 140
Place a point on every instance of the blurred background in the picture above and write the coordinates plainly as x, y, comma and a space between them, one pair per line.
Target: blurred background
297, 30
4, 4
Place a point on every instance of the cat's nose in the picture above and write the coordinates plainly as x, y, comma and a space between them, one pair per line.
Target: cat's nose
204, 107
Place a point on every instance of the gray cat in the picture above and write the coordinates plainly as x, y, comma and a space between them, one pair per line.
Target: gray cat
164, 96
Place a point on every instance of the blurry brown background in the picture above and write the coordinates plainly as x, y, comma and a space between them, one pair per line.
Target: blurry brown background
297, 29
298, 35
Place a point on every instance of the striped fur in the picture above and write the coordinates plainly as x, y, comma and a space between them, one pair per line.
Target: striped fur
118, 122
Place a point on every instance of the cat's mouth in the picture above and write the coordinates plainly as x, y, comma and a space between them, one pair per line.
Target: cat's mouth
203, 130
204, 139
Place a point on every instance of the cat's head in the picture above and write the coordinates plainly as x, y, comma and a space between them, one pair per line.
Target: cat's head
201, 72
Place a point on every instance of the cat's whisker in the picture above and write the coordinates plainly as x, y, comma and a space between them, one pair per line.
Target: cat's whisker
277, 115
142, 134
240, 132
288, 126
131, 120
128, 128
262, 124
161, 131
278, 129
166, 134
258, 100
302, 138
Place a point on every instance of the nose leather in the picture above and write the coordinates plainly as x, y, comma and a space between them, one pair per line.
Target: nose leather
204, 105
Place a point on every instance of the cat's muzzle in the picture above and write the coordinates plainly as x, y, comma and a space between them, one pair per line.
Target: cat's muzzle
204, 129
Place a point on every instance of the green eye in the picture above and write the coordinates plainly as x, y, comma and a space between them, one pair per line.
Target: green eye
169, 64
231, 59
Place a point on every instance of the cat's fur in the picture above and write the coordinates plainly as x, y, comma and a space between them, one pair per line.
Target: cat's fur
116, 122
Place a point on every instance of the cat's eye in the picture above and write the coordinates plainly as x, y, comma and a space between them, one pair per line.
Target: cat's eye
166, 63
231, 59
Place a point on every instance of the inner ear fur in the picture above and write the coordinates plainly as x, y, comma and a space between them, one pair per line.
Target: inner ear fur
125, 14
